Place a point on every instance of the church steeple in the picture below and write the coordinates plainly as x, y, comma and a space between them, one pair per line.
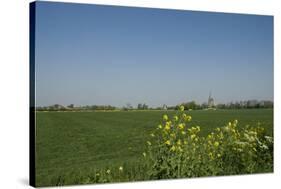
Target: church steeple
211, 103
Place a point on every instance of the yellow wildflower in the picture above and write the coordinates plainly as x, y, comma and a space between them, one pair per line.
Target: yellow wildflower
168, 142
181, 108
183, 132
160, 126
167, 127
181, 126
216, 144
188, 118
144, 154
152, 135
165, 117
180, 149
149, 143
179, 142
173, 135
173, 148
120, 168
176, 118
108, 171
193, 136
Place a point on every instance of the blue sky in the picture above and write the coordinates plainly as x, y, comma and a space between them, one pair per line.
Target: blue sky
89, 54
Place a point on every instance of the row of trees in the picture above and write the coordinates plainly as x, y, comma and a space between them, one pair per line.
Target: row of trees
192, 105
232, 105
71, 107
246, 104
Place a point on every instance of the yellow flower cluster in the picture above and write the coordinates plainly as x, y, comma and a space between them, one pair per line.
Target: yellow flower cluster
168, 142
165, 117
121, 168
181, 108
175, 141
186, 117
181, 126
176, 118
173, 133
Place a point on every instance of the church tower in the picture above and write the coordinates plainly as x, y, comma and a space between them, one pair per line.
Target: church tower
211, 102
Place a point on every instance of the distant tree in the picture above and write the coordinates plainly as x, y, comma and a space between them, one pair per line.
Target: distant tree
140, 107
221, 106
171, 107
191, 105
204, 105
128, 107
145, 107
268, 104
56, 106
39, 108
71, 106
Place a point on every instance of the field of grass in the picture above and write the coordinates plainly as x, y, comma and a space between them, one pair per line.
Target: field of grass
76, 143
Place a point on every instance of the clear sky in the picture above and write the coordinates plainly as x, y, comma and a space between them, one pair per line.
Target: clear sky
89, 54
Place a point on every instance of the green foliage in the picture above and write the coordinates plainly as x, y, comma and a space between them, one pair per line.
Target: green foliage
142, 106
190, 106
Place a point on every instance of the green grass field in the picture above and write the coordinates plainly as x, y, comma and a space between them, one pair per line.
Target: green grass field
76, 143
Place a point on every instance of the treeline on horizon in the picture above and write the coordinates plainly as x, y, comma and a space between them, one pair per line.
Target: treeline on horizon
192, 105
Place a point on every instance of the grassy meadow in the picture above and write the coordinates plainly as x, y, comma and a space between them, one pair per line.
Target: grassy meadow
72, 145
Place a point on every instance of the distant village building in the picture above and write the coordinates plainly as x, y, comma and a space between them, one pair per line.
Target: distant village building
211, 102
165, 107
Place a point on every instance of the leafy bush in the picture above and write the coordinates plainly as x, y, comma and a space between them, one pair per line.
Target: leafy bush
177, 150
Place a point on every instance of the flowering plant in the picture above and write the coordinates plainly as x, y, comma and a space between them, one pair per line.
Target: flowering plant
177, 150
